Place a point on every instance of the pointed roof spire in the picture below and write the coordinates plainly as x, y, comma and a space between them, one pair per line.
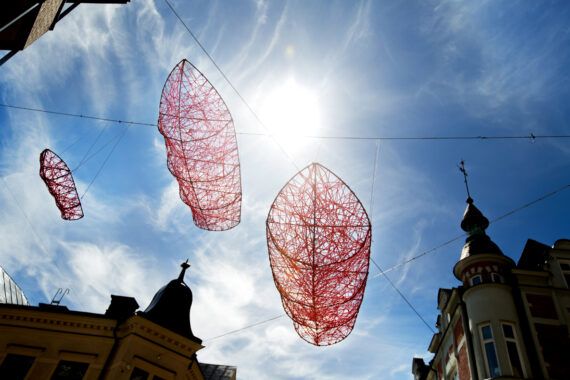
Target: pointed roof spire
184, 266
170, 306
475, 224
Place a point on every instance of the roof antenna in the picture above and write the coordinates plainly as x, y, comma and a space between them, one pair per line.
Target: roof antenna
60, 293
462, 170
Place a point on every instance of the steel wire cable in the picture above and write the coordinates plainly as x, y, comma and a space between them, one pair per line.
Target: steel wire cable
383, 273
465, 234
530, 136
232, 86
374, 261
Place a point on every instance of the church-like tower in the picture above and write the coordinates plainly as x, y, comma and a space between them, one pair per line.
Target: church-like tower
487, 293
504, 321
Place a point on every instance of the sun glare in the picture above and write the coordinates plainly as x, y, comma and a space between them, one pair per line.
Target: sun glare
291, 111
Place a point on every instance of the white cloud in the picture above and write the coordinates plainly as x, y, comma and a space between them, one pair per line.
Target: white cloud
97, 272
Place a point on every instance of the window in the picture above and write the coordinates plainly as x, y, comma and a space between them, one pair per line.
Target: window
566, 272
68, 370
476, 280
513, 350
495, 277
139, 374
16, 367
490, 352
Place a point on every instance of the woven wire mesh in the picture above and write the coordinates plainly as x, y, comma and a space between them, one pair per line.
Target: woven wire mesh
59, 181
318, 238
201, 148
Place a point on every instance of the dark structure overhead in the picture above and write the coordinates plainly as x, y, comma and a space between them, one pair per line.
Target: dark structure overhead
170, 307
475, 224
24, 21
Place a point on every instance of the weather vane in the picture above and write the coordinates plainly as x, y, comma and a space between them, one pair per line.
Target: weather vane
462, 170
184, 266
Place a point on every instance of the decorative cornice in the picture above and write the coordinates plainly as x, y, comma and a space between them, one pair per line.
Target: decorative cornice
155, 333
461, 265
72, 323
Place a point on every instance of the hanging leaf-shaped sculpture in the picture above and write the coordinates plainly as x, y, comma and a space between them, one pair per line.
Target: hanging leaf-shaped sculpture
318, 237
61, 185
201, 148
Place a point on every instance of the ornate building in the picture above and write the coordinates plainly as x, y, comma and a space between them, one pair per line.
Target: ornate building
53, 342
506, 320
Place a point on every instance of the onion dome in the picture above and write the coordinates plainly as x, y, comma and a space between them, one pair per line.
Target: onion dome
170, 306
475, 224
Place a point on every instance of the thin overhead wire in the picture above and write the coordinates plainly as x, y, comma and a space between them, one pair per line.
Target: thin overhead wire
232, 86
530, 203
374, 178
77, 115
372, 259
465, 234
105, 161
101, 148
531, 136
84, 159
420, 255
246, 327
403, 296
383, 273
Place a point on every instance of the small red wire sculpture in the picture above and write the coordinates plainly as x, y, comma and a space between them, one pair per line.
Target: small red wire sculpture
318, 237
59, 181
201, 148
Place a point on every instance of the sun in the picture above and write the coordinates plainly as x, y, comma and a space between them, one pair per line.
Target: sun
291, 111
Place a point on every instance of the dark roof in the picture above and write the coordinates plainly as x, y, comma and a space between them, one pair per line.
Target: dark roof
533, 256
473, 218
475, 224
217, 372
170, 307
477, 244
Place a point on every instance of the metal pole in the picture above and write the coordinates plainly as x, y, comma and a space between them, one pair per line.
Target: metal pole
20, 16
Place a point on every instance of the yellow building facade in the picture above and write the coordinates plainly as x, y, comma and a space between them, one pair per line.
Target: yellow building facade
53, 342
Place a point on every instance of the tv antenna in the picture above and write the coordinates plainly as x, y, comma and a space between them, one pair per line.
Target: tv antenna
60, 293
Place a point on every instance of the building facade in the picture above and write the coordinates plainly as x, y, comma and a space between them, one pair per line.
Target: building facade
53, 342
505, 320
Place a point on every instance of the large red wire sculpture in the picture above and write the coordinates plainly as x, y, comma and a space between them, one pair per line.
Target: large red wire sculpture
201, 148
60, 183
318, 237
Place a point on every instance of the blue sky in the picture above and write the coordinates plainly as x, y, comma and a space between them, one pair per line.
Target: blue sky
389, 69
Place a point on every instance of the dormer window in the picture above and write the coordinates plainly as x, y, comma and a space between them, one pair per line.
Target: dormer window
476, 280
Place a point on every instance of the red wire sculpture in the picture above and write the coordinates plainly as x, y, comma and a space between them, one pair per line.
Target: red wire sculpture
61, 185
318, 237
201, 148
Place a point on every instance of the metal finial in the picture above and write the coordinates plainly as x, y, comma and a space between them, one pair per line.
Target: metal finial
462, 170
184, 266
